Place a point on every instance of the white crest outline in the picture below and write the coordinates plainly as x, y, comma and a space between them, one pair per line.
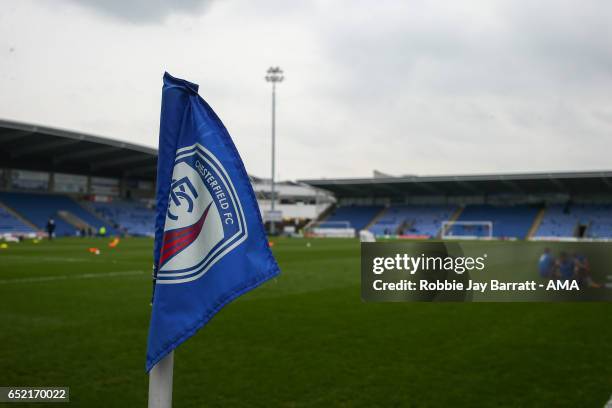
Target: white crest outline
216, 255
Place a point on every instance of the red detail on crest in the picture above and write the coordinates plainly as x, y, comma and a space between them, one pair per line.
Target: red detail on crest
176, 240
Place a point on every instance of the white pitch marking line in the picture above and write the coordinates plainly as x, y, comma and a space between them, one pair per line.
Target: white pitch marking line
609, 404
61, 259
63, 277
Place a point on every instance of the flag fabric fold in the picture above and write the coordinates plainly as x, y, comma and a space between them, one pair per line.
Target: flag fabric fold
210, 245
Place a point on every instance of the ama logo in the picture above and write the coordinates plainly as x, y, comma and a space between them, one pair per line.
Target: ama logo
205, 220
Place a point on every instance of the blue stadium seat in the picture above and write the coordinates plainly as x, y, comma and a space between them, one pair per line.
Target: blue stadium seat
512, 221
11, 224
38, 208
132, 217
356, 215
562, 220
599, 220
422, 220
557, 222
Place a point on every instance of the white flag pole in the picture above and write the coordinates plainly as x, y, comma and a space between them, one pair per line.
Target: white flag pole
160, 383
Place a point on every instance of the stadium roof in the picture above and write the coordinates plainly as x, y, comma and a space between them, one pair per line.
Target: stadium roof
32, 147
573, 183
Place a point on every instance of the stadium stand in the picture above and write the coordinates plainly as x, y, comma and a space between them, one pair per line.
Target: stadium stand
417, 220
520, 220
511, 221
130, 217
38, 208
600, 225
9, 224
557, 222
565, 220
40, 164
358, 217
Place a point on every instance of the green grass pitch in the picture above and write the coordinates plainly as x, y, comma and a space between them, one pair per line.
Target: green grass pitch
71, 318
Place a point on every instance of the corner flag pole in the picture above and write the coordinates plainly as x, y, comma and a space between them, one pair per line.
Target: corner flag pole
160, 383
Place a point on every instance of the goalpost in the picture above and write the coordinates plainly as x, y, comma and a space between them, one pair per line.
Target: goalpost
466, 230
335, 229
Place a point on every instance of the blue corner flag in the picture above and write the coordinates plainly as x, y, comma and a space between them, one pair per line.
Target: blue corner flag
210, 245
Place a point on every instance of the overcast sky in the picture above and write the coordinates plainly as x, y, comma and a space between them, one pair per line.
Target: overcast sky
405, 87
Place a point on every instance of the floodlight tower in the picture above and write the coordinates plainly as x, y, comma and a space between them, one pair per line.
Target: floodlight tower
274, 75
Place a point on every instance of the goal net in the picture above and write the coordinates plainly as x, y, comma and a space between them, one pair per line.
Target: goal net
334, 229
467, 230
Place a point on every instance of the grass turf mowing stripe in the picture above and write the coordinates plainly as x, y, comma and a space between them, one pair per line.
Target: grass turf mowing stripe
63, 277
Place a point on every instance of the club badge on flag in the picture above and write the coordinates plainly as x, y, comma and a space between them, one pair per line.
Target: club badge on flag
210, 246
